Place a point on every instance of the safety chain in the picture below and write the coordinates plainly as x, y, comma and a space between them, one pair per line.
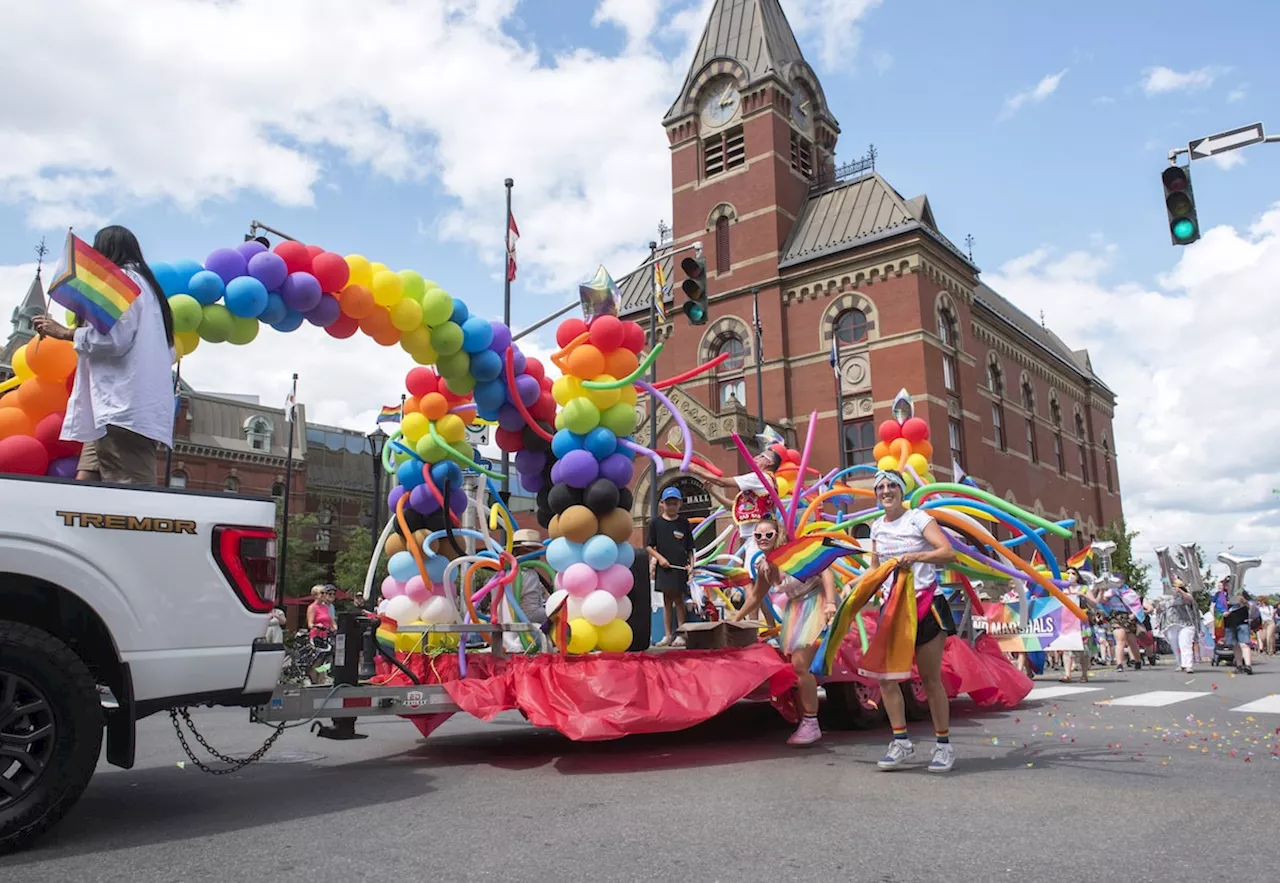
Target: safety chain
236, 763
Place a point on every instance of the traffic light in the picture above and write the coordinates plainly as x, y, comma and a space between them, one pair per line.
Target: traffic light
695, 289
1180, 203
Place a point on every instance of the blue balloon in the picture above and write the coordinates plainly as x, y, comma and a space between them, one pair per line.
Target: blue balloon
275, 310
460, 312
402, 567
561, 554
601, 442
626, 451
246, 297
490, 395
291, 322
626, 554
599, 552
477, 334
409, 475
185, 269
486, 365
490, 414
447, 472
167, 276
435, 567
565, 441
206, 286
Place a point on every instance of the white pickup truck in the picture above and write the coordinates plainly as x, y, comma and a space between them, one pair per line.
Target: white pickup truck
160, 597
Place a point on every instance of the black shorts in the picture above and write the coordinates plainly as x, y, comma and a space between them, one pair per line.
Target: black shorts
938, 620
671, 582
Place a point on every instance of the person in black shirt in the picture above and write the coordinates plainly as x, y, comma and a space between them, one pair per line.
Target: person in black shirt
670, 544
1235, 632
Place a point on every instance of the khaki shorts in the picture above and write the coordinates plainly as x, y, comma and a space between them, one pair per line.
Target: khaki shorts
120, 457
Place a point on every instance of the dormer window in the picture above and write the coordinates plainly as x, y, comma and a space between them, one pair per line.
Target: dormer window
258, 432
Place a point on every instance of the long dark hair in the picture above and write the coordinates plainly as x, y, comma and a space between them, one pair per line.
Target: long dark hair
118, 245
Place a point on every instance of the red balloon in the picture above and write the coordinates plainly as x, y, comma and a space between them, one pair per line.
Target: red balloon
295, 256
331, 271
47, 432
607, 333
314, 250
422, 382
343, 327
544, 408
508, 440
546, 383
23, 455
633, 336
569, 330
915, 430
890, 431
534, 368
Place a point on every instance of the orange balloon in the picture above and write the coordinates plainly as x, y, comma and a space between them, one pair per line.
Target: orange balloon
924, 449
586, 362
357, 301
377, 320
14, 421
901, 449
386, 336
40, 396
52, 359
434, 406
411, 404
880, 451
620, 363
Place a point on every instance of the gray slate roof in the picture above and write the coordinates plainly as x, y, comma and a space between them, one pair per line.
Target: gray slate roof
635, 289
219, 422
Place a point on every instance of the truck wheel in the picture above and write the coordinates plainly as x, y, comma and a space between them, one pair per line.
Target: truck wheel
50, 732
916, 700
849, 707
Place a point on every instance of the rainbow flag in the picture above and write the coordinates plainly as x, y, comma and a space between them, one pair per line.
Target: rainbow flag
1079, 559
808, 556
723, 575
92, 287
391, 414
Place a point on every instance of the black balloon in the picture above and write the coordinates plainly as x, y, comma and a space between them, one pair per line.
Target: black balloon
544, 517
601, 496
562, 497
533, 441
625, 498
544, 497
414, 519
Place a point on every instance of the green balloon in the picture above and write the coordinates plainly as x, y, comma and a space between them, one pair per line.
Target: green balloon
461, 385
413, 285
446, 339
429, 450
217, 323
454, 364
243, 331
437, 306
581, 416
187, 312
620, 419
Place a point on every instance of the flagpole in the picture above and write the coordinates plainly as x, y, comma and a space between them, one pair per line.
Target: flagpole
506, 318
653, 379
835, 368
290, 416
759, 333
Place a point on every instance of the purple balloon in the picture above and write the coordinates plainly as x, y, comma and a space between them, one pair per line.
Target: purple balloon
250, 248
529, 389
578, 469
458, 501
227, 263
326, 312
530, 461
618, 469
520, 361
393, 498
509, 418
63, 467
501, 338
422, 500
269, 269
533, 482
301, 292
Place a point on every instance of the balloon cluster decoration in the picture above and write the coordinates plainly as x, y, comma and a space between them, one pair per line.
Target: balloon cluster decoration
432, 425
32, 412
589, 502
408, 599
904, 445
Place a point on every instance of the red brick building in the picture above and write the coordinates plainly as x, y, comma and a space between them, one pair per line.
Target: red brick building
836, 252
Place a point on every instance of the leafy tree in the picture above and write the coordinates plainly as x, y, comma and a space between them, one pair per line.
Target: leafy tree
1133, 571
302, 571
352, 563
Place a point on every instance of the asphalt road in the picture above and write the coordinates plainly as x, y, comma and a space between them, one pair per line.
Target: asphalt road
1062, 788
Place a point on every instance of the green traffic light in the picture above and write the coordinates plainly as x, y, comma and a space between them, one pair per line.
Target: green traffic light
1184, 230
696, 313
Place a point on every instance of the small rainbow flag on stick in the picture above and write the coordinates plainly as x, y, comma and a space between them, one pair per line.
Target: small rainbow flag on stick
1079, 559
92, 287
391, 414
808, 556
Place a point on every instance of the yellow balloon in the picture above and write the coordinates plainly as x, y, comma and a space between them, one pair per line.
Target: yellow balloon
408, 642
442, 641
360, 269
21, 369
613, 637
582, 636
887, 463
377, 267
566, 388
387, 288
414, 426
406, 315
628, 395
604, 398
919, 464
185, 342
452, 429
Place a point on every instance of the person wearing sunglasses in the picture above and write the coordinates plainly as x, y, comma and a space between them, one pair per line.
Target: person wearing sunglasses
751, 501
916, 540
810, 606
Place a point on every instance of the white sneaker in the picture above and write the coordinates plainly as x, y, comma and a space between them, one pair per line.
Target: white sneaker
900, 751
944, 758
679, 641
665, 642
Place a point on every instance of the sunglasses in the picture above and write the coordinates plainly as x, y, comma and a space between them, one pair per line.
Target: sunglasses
766, 535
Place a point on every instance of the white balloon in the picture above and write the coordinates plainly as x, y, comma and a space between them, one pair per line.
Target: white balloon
573, 607
624, 607
438, 611
403, 610
554, 600
599, 608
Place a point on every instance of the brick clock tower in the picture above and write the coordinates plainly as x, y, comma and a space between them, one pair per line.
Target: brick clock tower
810, 263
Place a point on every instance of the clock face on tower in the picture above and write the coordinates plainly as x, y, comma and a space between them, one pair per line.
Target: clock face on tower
719, 103
802, 108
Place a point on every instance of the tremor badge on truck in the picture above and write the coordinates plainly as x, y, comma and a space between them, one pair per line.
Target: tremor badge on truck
147, 524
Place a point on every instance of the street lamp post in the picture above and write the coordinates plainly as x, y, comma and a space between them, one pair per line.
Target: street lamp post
368, 649
759, 335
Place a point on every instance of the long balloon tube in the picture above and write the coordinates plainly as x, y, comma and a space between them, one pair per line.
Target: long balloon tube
409, 543
861, 518
677, 455
441, 500
816, 506
1040, 531
494, 511
679, 419
710, 519
963, 490
497, 497
557, 358
519, 402
1011, 522
852, 469
691, 373
458, 456
769, 486
988, 566
483, 517
394, 444
804, 467
634, 377
373, 560
658, 465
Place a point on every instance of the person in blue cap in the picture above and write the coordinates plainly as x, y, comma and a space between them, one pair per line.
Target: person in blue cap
670, 544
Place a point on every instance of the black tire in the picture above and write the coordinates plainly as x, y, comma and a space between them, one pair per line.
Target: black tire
42, 676
915, 699
848, 707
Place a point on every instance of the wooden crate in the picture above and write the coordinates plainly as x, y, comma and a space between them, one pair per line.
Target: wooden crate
718, 635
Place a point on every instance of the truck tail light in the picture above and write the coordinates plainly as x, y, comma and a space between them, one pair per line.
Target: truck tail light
247, 558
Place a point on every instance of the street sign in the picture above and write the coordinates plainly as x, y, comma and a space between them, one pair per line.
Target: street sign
1212, 145
477, 434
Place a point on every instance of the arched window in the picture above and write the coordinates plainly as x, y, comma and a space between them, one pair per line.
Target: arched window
1055, 417
724, 260
850, 327
1083, 449
277, 489
730, 386
258, 433
995, 379
950, 342
1106, 465
1029, 405
178, 479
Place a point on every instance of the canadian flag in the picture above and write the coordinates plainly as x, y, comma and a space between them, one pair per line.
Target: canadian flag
513, 235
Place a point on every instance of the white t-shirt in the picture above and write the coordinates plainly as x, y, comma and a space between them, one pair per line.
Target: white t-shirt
891, 539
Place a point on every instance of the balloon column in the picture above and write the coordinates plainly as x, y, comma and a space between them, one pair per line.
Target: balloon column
904, 445
31, 415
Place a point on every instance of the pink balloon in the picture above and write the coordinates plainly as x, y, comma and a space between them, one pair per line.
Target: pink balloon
391, 588
437, 589
417, 590
616, 580
579, 580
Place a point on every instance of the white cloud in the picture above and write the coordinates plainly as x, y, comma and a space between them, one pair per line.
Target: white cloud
1239, 93
1036, 94
637, 18
835, 26
1158, 80
1192, 364
1229, 160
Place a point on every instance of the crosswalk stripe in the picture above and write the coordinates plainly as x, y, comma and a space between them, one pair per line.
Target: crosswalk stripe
1265, 705
1154, 699
1055, 692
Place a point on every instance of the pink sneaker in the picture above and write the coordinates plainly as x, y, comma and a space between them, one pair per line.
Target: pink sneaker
807, 733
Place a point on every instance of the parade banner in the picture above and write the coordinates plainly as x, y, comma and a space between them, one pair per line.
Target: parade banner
1047, 626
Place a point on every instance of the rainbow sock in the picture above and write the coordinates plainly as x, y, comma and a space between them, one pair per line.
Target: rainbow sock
944, 736
900, 733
